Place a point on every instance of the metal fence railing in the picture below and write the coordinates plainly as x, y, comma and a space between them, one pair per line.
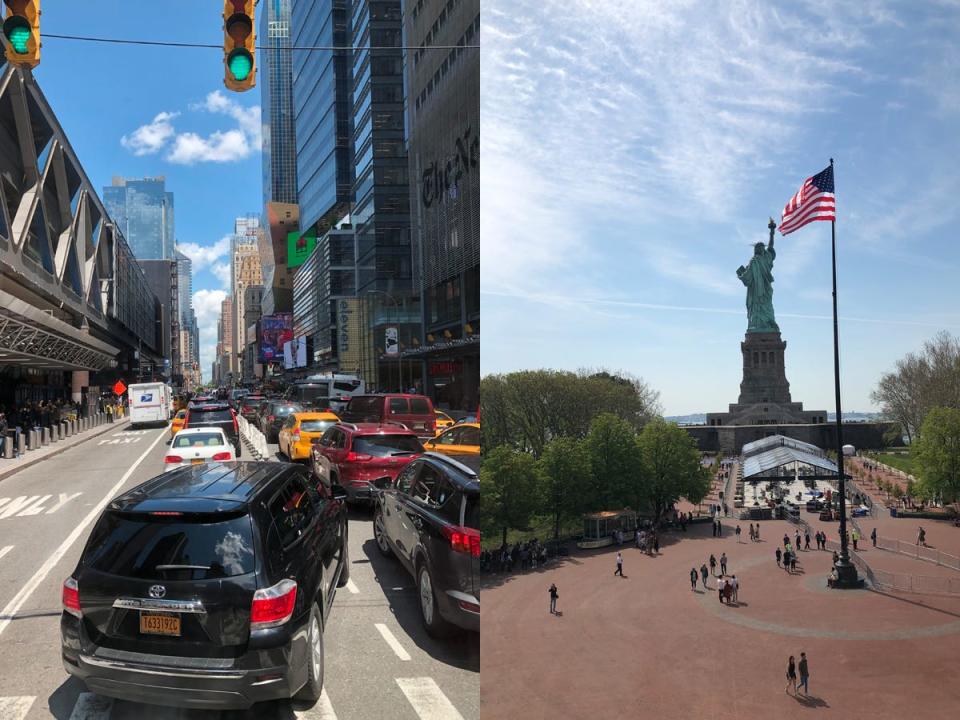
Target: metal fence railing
920, 552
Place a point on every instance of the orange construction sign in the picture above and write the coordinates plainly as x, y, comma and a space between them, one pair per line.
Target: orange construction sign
119, 388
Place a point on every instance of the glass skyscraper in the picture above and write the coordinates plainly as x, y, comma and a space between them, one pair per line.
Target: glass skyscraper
143, 210
322, 110
276, 101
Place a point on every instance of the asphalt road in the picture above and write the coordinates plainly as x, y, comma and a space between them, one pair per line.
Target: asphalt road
379, 661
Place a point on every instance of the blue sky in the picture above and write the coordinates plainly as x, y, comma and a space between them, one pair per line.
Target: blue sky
146, 111
635, 150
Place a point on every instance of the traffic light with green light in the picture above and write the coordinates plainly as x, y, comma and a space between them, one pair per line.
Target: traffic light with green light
239, 45
21, 28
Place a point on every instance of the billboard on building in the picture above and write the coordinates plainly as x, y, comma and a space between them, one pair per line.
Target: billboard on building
348, 335
300, 352
299, 246
288, 355
275, 330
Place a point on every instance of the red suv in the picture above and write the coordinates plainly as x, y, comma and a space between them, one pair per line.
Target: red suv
353, 456
414, 411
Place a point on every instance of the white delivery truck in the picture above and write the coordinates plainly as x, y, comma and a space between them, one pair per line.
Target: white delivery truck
149, 403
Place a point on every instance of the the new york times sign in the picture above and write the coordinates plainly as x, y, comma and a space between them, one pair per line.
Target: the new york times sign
441, 178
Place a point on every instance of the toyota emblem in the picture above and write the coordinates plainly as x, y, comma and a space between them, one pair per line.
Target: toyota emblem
157, 591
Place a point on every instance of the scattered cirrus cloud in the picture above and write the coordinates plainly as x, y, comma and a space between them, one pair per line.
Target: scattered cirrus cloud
188, 147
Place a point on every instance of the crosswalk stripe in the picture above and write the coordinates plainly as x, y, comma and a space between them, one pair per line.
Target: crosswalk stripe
92, 707
392, 641
351, 586
5, 550
428, 699
14, 707
323, 710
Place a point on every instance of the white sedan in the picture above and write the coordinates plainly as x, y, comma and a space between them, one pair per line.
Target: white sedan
195, 446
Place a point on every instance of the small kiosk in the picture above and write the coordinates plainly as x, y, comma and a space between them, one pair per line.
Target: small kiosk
599, 527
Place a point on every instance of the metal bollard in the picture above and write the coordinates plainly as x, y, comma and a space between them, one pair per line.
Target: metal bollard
55, 432
34, 438
8, 447
21, 443
44, 436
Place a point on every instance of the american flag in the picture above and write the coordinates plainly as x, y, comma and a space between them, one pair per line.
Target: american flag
813, 201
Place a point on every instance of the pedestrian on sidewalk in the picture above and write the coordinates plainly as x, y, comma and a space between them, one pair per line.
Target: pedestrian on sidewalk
791, 676
804, 673
751, 532
797, 539
713, 527
693, 579
856, 537
723, 564
719, 529
738, 533
735, 585
873, 537
619, 570
779, 555
793, 563
786, 561
922, 537
836, 557
721, 588
786, 541
703, 574
713, 564
806, 540
553, 598
656, 543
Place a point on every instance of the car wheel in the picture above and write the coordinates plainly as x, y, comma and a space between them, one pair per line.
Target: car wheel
379, 533
344, 559
436, 626
311, 690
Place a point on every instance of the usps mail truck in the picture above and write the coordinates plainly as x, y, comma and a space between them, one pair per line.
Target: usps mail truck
149, 403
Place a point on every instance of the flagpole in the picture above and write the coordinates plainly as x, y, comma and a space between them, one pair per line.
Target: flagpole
846, 571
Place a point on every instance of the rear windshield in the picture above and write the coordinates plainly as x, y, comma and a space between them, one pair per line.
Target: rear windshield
198, 440
316, 425
419, 406
139, 547
311, 392
471, 517
371, 405
211, 416
386, 445
346, 385
286, 409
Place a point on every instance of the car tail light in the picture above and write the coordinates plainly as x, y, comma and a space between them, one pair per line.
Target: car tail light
223, 456
465, 540
71, 597
169, 459
273, 606
358, 457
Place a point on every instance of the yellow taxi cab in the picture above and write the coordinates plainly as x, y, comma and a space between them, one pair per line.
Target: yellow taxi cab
461, 439
176, 425
299, 430
444, 421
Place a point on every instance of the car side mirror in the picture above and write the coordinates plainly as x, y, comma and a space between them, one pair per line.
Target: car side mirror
338, 492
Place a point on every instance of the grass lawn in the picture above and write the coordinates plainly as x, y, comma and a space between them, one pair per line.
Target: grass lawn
900, 462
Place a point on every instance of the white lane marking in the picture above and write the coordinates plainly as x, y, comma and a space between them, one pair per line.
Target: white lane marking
63, 500
15, 708
38, 577
36, 508
92, 707
352, 587
392, 641
27, 505
15, 505
323, 710
428, 699
4, 551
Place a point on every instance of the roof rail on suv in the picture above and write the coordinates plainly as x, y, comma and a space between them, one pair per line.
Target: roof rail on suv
353, 426
450, 461
394, 422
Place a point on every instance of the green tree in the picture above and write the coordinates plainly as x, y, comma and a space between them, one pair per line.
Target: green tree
616, 473
565, 471
672, 464
509, 486
938, 454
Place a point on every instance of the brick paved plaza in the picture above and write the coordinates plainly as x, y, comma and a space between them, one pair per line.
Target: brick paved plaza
646, 646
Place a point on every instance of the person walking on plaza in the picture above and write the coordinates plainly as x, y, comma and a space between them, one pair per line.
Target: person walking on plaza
797, 540
721, 588
723, 564
619, 570
756, 533
855, 537
786, 561
751, 532
804, 673
713, 527
779, 555
656, 543
791, 676
738, 533
713, 564
806, 540
922, 537
703, 574
693, 579
719, 529
734, 586
793, 562
873, 537
553, 598
786, 541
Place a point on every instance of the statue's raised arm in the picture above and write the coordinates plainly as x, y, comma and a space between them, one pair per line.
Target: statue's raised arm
772, 226
757, 275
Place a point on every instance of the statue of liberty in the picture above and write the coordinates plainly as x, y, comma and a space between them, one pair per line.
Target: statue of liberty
758, 277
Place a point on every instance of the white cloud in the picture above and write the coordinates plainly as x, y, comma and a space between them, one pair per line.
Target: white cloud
188, 147
222, 271
207, 305
204, 256
150, 138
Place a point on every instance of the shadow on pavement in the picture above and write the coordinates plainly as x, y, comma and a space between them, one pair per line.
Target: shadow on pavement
811, 701
460, 650
64, 698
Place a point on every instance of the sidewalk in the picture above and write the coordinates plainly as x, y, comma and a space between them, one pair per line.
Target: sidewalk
31, 457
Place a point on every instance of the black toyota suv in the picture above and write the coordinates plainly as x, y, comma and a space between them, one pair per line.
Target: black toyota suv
429, 518
273, 414
215, 414
208, 587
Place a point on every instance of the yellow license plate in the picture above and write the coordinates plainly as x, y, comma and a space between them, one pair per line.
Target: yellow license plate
197, 461
159, 624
